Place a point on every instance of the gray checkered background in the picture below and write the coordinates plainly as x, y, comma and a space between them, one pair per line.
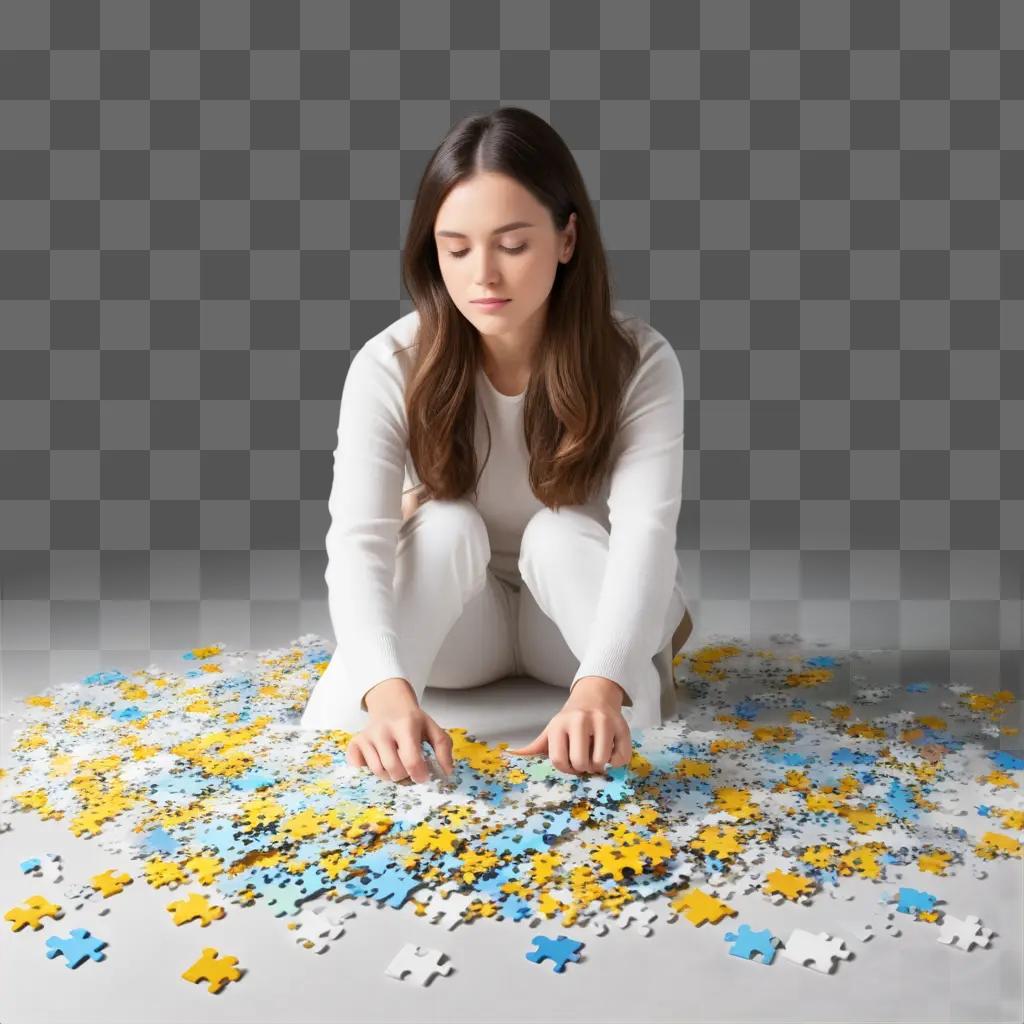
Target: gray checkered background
820, 204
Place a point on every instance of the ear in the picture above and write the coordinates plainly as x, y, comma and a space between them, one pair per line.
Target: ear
570, 242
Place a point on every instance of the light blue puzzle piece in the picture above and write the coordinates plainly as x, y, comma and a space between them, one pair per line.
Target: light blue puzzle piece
77, 948
561, 951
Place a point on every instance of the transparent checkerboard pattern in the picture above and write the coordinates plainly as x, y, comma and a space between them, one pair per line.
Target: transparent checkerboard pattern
821, 206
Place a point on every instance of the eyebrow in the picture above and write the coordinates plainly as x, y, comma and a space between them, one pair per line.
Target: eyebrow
496, 231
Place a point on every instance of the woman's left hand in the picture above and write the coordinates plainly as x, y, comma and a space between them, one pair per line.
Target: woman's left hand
589, 731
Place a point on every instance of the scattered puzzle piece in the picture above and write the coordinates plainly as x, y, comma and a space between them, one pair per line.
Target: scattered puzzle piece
820, 951
449, 905
78, 947
561, 951
35, 909
420, 963
316, 929
216, 969
967, 932
747, 943
110, 884
196, 906
49, 867
697, 907
278, 822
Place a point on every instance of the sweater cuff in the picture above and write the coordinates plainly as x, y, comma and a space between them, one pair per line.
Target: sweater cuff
615, 663
371, 659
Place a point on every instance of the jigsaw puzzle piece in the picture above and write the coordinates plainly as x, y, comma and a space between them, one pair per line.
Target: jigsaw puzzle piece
110, 884
420, 963
393, 886
820, 951
561, 951
450, 905
746, 943
78, 947
914, 901
52, 867
49, 868
197, 905
313, 933
698, 907
967, 933
212, 967
36, 908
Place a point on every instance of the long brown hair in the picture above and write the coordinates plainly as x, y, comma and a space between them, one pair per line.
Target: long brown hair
584, 359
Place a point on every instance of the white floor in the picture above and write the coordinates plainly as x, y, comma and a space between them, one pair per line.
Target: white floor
681, 972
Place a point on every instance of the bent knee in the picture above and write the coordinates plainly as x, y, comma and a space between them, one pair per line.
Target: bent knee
454, 519
548, 529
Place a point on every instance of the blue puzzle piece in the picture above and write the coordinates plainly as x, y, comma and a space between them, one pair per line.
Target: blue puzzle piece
161, 841
514, 908
377, 861
394, 885
132, 714
900, 801
103, 678
77, 948
220, 837
516, 841
562, 951
253, 779
844, 755
913, 900
188, 783
551, 825
1006, 760
747, 709
285, 892
746, 942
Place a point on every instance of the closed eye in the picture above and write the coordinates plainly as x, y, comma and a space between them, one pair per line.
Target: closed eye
462, 252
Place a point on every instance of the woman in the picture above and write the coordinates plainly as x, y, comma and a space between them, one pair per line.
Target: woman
562, 418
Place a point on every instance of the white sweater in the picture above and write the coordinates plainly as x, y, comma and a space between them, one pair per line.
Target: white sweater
639, 505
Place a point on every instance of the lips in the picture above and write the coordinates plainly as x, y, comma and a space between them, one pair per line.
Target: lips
489, 302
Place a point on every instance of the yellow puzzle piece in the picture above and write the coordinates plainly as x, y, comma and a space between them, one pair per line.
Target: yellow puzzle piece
110, 884
196, 906
37, 907
212, 967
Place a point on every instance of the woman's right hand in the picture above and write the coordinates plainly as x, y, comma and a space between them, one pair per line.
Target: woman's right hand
390, 746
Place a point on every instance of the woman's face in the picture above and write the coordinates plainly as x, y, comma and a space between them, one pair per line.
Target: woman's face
516, 263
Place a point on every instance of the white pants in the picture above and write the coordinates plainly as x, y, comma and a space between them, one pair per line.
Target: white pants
460, 625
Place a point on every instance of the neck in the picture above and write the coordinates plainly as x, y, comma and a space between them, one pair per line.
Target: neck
512, 355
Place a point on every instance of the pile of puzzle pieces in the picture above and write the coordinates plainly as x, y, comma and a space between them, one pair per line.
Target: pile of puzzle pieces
203, 778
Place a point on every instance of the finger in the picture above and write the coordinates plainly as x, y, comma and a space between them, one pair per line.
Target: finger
355, 755
410, 752
535, 746
388, 753
372, 760
442, 744
558, 749
579, 743
604, 737
622, 748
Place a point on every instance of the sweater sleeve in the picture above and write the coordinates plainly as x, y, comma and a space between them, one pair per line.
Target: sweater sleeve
365, 506
644, 498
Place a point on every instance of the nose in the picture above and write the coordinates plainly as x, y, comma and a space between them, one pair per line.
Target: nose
484, 276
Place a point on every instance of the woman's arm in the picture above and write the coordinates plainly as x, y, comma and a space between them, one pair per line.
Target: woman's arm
366, 494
